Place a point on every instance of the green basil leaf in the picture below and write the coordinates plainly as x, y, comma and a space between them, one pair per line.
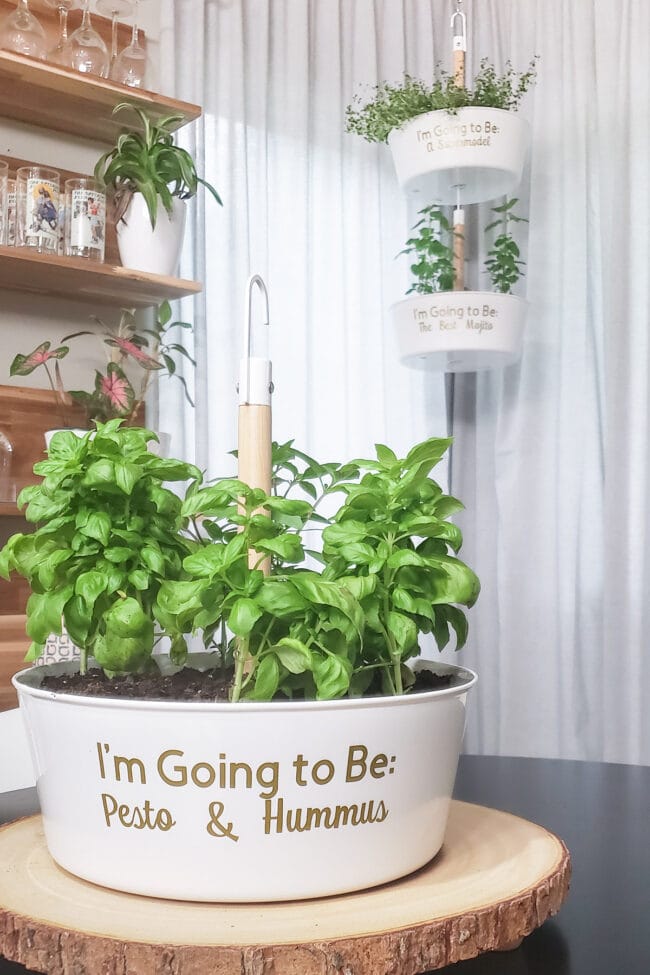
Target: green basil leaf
267, 679
331, 675
288, 547
98, 526
293, 654
403, 630
44, 613
243, 616
280, 598
90, 585
118, 554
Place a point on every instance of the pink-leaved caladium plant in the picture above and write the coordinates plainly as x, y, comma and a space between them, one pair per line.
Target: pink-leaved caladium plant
116, 394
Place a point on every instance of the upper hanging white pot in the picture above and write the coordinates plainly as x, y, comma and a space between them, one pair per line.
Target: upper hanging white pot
479, 152
244, 802
142, 247
459, 331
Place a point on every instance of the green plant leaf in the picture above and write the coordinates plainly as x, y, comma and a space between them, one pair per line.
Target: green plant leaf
267, 679
293, 654
329, 594
331, 675
288, 547
280, 598
98, 526
243, 616
403, 630
44, 613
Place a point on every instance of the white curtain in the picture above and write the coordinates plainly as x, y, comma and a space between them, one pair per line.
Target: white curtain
550, 455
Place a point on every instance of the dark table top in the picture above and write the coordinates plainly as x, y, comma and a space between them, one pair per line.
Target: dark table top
602, 812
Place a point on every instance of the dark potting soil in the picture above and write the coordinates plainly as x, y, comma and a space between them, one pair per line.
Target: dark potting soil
186, 685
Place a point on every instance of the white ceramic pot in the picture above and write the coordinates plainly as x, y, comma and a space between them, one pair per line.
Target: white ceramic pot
480, 150
244, 802
155, 250
459, 331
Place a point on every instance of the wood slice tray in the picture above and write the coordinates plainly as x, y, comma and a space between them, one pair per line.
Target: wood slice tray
496, 879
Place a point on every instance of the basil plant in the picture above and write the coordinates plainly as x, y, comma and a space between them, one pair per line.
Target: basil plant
123, 561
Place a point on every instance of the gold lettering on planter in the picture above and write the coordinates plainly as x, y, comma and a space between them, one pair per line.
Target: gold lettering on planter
481, 319
277, 819
178, 771
119, 762
215, 827
358, 767
454, 134
231, 775
136, 817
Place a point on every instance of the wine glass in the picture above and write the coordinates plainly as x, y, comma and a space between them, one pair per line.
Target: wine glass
85, 50
114, 9
58, 54
21, 32
130, 66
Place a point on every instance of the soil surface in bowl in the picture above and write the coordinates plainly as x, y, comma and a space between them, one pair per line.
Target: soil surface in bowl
185, 685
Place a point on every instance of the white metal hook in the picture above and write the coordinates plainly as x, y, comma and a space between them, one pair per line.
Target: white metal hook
259, 365
459, 28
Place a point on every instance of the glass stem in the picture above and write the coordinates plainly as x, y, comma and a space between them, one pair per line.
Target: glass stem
134, 32
63, 24
114, 38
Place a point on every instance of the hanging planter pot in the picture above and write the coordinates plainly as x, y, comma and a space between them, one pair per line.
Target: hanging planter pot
156, 250
275, 801
482, 150
459, 331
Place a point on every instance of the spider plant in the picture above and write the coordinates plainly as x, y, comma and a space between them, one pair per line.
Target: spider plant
149, 162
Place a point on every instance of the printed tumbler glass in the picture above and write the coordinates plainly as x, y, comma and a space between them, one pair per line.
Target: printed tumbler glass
37, 209
85, 218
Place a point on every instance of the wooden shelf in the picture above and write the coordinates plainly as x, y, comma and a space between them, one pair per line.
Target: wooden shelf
23, 269
65, 101
14, 644
9, 509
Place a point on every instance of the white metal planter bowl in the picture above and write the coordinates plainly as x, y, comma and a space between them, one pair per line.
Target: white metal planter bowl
459, 331
480, 150
243, 802
155, 250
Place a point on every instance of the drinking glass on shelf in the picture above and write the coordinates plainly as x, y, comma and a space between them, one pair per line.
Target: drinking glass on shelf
11, 213
37, 208
114, 9
58, 53
22, 33
85, 223
4, 189
85, 50
130, 66
7, 485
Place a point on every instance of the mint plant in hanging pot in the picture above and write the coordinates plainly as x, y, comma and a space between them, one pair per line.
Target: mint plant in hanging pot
441, 328
308, 752
443, 134
149, 178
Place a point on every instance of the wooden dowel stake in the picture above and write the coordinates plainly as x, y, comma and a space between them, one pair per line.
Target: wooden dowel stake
254, 455
459, 249
459, 68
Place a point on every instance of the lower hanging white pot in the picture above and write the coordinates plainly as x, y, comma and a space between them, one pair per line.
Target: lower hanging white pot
156, 250
244, 802
459, 331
